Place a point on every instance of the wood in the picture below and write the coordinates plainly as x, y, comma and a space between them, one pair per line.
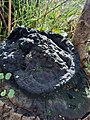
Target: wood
7, 113
82, 32
9, 17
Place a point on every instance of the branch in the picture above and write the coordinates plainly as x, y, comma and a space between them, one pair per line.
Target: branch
9, 17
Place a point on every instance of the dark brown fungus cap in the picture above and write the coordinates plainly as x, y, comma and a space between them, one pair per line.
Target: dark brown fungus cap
46, 64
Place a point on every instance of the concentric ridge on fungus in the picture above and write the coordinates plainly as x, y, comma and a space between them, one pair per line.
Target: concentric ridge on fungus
40, 61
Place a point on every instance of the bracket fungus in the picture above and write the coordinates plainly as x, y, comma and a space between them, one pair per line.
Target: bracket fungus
46, 64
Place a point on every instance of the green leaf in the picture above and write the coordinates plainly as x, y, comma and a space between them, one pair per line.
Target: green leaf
1, 76
11, 93
87, 70
49, 113
41, 28
56, 31
3, 93
8, 76
88, 48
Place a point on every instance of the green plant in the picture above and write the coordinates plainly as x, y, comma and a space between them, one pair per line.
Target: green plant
49, 112
88, 68
49, 15
4, 92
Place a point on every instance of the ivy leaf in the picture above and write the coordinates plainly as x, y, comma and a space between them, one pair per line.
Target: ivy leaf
1, 76
8, 76
3, 93
11, 93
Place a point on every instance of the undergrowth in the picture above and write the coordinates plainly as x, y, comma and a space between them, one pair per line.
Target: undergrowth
59, 16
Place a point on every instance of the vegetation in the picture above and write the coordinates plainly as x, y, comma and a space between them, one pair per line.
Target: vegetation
54, 15
4, 92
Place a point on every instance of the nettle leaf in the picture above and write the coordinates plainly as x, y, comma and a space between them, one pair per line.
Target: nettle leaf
11, 93
8, 76
3, 93
1, 76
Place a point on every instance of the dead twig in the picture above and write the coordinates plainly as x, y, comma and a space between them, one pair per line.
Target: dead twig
9, 17
2, 17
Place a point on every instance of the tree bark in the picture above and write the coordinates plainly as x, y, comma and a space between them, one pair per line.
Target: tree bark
82, 32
